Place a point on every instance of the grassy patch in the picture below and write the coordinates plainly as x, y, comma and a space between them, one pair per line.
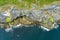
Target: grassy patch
26, 4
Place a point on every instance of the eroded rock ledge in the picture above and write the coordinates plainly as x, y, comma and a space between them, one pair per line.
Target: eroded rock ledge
47, 17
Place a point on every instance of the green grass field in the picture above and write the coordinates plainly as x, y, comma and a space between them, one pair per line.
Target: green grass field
25, 3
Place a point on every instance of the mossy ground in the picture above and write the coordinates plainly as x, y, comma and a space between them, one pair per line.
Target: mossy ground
26, 4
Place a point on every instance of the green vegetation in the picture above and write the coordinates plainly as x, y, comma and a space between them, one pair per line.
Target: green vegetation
25, 3
8, 20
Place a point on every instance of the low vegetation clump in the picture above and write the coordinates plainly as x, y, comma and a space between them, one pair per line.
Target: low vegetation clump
26, 4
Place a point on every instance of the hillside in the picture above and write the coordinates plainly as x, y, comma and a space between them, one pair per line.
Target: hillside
25, 4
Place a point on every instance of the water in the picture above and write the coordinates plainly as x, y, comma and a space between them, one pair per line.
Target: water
30, 33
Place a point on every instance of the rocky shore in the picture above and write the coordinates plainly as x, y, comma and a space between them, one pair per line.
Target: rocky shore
47, 17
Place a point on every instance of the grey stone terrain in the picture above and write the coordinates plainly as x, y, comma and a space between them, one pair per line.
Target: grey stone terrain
47, 16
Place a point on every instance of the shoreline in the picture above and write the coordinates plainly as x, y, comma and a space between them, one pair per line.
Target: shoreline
42, 17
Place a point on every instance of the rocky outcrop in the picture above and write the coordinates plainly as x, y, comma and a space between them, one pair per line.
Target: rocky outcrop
47, 17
